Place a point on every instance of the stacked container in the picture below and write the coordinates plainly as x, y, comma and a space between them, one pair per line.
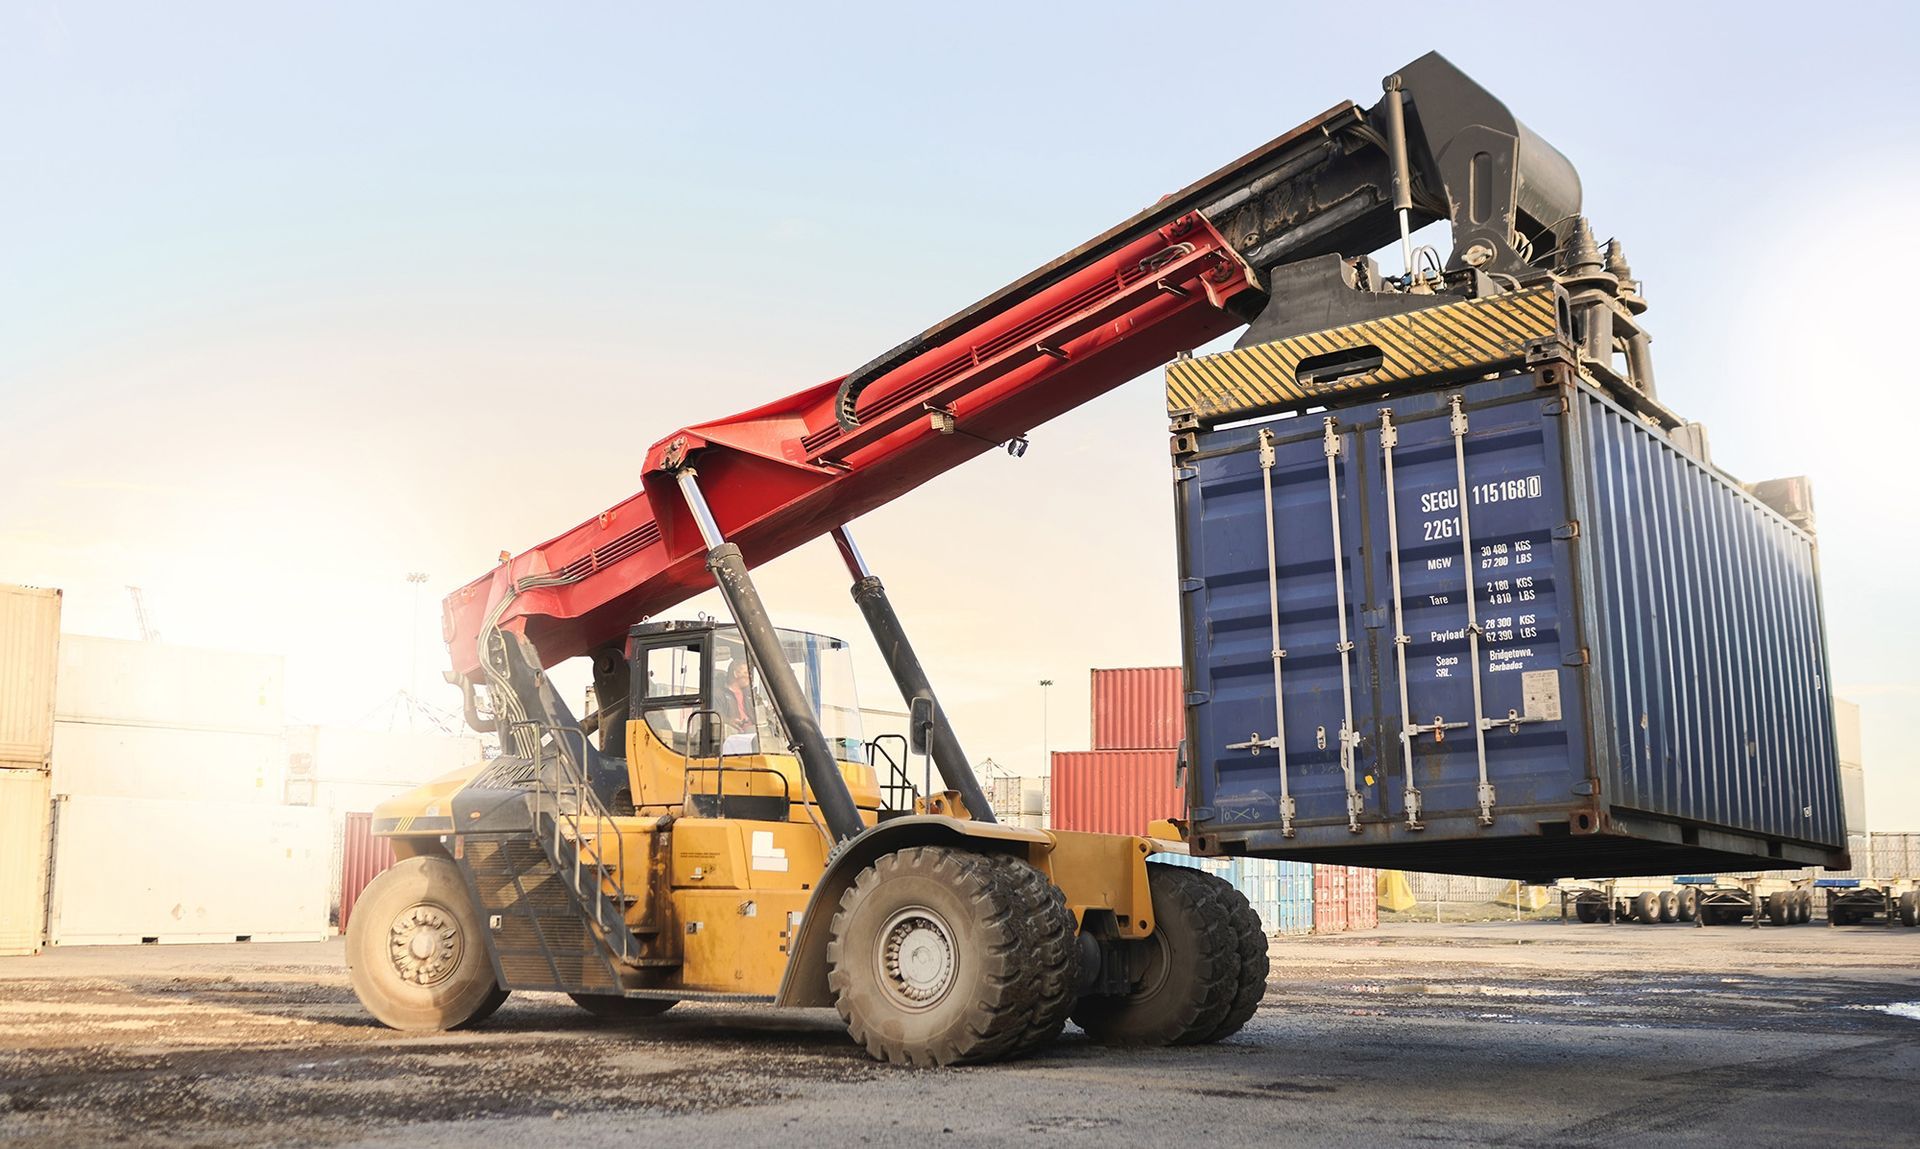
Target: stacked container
29, 660
1131, 779
169, 769
1280, 892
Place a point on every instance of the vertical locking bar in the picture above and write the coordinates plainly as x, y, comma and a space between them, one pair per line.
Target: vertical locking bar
1349, 737
1279, 654
1459, 423
1389, 438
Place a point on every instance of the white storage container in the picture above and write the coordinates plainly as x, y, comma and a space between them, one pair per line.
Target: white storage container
29, 656
113, 761
153, 684
24, 820
397, 760
131, 870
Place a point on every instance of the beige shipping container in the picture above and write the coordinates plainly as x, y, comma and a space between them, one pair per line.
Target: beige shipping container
111, 680
133, 870
29, 659
25, 817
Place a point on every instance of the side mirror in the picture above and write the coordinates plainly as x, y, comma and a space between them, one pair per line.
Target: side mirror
919, 723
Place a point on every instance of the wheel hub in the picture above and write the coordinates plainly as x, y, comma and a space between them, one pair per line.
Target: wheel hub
916, 957
424, 943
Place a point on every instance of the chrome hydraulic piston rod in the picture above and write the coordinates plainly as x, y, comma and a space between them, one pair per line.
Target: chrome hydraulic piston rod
807, 742
911, 678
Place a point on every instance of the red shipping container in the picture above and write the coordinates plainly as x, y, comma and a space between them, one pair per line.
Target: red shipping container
1363, 898
1344, 898
363, 858
1330, 901
1138, 708
1114, 791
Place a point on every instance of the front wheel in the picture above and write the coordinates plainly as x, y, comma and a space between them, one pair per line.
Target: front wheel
1646, 908
1910, 908
415, 954
942, 956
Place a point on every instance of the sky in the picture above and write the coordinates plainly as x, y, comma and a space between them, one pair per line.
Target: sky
295, 300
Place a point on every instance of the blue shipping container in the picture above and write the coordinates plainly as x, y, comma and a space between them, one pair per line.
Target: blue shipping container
1280, 892
1614, 660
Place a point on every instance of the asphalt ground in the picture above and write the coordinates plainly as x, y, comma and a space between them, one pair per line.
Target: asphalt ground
1499, 1033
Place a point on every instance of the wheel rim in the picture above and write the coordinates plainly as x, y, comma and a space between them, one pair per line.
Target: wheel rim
424, 943
917, 960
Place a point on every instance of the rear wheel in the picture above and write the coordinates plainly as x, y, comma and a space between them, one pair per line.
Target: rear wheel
1190, 968
1779, 911
414, 950
1587, 912
1689, 904
1806, 906
931, 962
1669, 906
1910, 908
613, 1008
1646, 908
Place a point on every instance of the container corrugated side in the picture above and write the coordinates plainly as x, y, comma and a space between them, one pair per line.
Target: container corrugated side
1280, 892
1113, 791
25, 821
154, 684
1330, 900
29, 660
130, 870
1137, 708
1363, 898
363, 858
115, 761
1653, 660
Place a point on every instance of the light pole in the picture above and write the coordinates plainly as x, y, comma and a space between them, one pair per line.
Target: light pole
416, 579
1046, 756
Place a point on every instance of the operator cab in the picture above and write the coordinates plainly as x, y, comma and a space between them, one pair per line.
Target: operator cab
704, 736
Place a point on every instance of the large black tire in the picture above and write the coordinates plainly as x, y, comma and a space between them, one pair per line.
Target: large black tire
1587, 912
611, 1008
1646, 908
1190, 968
1669, 906
1910, 908
1689, 904
415, 953
1805, 900
1051, 938
1779, 909
1254, 966
928, 961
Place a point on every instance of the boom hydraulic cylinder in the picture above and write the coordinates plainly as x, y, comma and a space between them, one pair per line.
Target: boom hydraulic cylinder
911, 678
808, 743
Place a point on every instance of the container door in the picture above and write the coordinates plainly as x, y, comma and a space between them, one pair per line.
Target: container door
1244, 752
1471, 619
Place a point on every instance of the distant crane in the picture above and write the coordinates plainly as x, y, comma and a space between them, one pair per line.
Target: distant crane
147, 631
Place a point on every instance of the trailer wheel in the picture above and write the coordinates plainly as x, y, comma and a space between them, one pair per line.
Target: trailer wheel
1806, 906
1669, 906
1587, 912
613, 1008
1189, 969
928, 962
415, 953
1910, 908
1779, 913
1688, 908
1646, 908
1840, 916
